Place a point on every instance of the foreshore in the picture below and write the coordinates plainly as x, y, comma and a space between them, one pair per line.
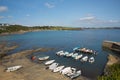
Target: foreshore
30, 70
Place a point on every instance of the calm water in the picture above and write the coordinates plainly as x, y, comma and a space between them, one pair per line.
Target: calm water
67, 40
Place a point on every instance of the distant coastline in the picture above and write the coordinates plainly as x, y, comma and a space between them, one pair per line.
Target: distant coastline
19, 29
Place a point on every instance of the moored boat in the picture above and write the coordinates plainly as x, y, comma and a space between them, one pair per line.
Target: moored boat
78, 57
84, 59
92, 59
53, 66
49, 62
76, 74
13, 68
43, 58
59, 68
74, 55
69, 55
66, 70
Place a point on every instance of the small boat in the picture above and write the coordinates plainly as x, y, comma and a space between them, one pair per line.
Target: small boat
69, 55
78, 57
66, 70
75, 49
73, 70
76, 74
59, 68
13, 68
74, 55
53, 66
84, 59
49, 62
66, 53
58, 53
92, 59
43, 58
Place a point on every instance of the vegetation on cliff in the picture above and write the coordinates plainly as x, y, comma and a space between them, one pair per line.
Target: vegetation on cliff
17, 28
113, 73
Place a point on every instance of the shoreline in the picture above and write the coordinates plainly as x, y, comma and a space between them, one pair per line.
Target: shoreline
30, 70
112, 59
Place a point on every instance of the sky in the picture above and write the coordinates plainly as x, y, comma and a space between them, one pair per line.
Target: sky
71, 13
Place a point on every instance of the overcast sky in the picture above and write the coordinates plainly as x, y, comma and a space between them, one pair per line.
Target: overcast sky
74, 13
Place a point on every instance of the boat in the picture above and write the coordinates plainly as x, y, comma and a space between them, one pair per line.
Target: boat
43, 58
75, 49
84, 59
76, 74
74, 55
85, 50
73, 70
49, 62
59, 52
66, 53
13, 68
92, 59
59, 68
53, 66
78, 57
66, 70
69, 55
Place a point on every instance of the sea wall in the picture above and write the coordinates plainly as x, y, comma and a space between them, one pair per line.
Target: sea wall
111, 45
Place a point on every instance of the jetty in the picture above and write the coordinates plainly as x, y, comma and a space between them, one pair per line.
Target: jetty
115, 46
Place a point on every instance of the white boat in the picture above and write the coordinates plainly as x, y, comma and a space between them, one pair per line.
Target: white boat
76, 74
78, 57
66, 53
59, 52
74, 55
53, 66
59, 68
66, 70
49, 62
69, 55
13, 68
43, 58
92, 59
73, 70
84, 59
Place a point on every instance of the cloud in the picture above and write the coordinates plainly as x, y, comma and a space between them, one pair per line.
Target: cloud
95, 21
49, 5
5, 17
3, 8
9, 16
89, 18
1, 17
28, 15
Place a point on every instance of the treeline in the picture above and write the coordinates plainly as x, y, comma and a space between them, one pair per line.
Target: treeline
113, 73
16, 28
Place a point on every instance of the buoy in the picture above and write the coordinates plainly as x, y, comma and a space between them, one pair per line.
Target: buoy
33, 57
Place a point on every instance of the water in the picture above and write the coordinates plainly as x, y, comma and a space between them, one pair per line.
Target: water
67, 40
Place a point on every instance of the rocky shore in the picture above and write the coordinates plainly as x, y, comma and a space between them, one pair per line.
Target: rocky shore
112, 59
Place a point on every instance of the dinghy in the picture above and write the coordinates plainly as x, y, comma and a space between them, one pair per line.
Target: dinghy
53, 66
49, 62
59, 52
74, 55
66, 70
76, 74
92, 59
84, 59
43, 58
13, 68
69, 55
78, 57
59, 68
